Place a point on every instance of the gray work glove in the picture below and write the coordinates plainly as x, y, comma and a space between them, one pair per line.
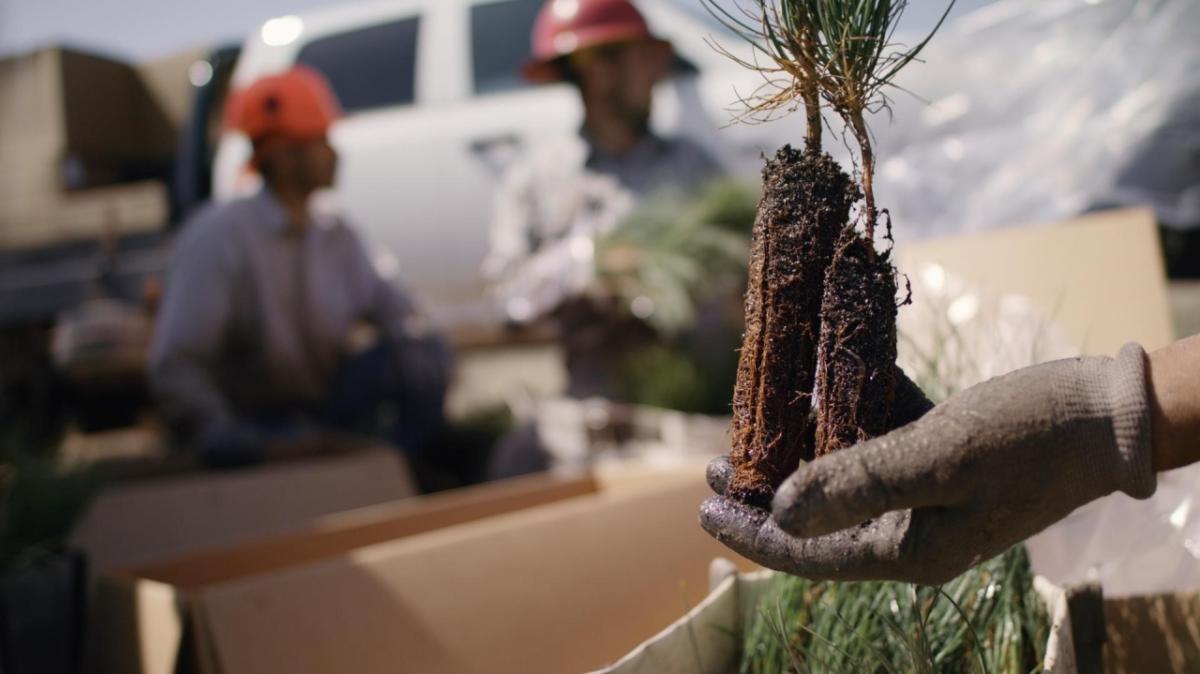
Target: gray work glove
981, 472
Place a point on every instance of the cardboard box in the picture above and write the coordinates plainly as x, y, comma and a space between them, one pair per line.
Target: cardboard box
563, 587
1159, 633
1099, 277
142, 522
709, 637
336, 534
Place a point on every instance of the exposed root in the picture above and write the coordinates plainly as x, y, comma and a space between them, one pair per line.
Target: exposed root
857, 351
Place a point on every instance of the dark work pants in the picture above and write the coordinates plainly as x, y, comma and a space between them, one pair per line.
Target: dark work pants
379, 393
372, 395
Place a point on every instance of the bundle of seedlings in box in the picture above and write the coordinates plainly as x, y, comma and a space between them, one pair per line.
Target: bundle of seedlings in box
990, 619
817, 367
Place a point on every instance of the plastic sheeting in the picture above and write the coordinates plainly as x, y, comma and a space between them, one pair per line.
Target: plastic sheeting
1131, 547
1042, 109
960, 334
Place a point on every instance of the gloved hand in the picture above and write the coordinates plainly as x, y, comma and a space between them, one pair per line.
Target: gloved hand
981, 472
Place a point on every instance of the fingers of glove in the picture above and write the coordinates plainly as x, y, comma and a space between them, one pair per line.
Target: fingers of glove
718, 473
897, 471
872, 551
910, 403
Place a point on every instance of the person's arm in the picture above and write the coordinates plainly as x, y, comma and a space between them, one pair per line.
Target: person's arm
513, 213
189, 331
542, 255
419, 360
388, 306
1174, 384
526, 274
981, 472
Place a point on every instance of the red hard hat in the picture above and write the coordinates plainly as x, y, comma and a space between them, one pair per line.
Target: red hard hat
297, 105
566, 26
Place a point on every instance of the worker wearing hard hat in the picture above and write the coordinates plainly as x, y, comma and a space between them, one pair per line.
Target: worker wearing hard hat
570, 190
275, 328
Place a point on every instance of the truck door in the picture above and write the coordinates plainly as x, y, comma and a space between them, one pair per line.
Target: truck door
420, 181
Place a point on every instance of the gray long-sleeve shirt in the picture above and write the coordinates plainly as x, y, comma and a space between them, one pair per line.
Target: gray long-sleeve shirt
257, 317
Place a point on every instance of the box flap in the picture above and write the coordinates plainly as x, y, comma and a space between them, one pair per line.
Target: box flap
148, 521
341, 533
567, 587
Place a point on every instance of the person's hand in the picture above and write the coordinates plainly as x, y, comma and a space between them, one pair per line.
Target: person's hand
981, 472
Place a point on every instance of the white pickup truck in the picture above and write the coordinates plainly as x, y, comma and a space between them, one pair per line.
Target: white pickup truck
435, 109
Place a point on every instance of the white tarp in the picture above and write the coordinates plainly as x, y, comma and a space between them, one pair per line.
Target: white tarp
1040, 110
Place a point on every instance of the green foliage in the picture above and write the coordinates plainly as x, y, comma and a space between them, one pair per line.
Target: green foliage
682, 375
674, 253
854, 46
684, 260
843, 49
987, 620
840, 51
39, 504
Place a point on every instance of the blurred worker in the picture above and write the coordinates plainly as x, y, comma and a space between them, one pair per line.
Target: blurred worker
977, 474
569, 190
275, 329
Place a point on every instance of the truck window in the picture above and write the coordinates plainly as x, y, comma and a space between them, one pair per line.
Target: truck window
369, 67
500, 35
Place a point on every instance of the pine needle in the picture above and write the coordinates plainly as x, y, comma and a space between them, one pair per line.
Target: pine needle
840, 54
988, 620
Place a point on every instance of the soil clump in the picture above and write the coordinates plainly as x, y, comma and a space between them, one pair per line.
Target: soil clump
856, 376
804, 210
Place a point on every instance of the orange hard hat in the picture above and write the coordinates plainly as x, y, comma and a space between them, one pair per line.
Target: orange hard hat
566, 26
296, 105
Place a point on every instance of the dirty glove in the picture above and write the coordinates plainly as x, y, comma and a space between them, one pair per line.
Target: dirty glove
981, 472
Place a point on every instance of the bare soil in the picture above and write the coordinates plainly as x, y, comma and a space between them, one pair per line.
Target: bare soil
856, 358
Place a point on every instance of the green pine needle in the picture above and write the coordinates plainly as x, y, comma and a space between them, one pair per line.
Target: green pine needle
677, 252
988, 620
836, 53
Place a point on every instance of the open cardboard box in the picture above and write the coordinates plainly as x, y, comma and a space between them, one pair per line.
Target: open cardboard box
567, 586
1159, 633
709, 637
1143, 634
144, 521
144, 615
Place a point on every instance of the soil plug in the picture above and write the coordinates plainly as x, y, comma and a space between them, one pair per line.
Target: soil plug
856, 380
805, 205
